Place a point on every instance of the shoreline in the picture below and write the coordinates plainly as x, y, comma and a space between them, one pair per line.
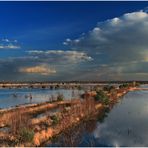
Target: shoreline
75, 115
100, 109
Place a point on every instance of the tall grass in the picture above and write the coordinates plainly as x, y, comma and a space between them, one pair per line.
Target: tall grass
18, 120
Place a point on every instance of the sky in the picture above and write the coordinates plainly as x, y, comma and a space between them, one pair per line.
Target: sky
73, 41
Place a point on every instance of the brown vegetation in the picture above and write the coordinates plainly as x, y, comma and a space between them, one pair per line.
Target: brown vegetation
29, 130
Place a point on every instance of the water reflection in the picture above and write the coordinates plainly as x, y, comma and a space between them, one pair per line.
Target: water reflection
13, 97
125, 125
80, 135
77, 135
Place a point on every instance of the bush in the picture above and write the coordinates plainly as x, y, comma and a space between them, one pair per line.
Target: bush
124, 85
137, 84
108, 88
105, 100
54, 119
102, 97
26, 135
82, 96
100, 94
43, 87
60, 97
79, 87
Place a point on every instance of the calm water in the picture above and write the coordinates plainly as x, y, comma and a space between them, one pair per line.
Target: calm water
13, 97
125, 125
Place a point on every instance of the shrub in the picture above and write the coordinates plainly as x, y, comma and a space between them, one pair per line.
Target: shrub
26, 135
137, 84
60, 97
43, 87
102, 97
108, 88
100, 94
105, 100
54, 119
103, 115
85, 95
82, 96
124, 85
79, 87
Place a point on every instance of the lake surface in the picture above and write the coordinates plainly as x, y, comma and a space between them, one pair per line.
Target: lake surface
13, 97
125, 125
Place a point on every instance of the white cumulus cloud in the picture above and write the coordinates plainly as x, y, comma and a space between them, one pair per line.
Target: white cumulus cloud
122, 43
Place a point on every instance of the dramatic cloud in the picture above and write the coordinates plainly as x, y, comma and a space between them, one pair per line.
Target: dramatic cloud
44, 65
120, 43
41, 69
115, 49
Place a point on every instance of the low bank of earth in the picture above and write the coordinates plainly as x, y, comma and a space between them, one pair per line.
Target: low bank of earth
37, 124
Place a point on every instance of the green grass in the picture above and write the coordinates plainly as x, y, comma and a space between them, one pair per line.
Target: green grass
26, 135
102, 97
55, 119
